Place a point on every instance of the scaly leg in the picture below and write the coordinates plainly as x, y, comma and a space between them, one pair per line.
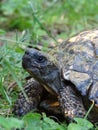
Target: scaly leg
34, 92
71, 103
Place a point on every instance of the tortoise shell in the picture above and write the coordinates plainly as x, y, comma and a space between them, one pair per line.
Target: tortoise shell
80, 63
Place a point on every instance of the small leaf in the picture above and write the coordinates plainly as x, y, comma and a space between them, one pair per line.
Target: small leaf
32, 116
9, 123
33, 121
73, 126
82, 124
49, 124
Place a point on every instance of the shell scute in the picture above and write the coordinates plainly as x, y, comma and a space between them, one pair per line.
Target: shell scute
80, 64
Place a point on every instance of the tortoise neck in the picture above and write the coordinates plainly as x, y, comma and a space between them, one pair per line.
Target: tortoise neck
53, 82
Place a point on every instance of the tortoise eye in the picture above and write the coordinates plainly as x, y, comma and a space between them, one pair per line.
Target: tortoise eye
41, 59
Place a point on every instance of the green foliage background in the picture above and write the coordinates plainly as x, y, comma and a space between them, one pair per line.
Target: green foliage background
56, 19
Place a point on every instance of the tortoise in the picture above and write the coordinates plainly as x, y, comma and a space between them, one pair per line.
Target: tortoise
68, 73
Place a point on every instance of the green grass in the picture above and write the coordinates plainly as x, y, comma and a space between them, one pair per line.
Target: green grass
39, 18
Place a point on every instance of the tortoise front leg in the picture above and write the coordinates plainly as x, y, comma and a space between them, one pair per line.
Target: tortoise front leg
34, 92
71, 103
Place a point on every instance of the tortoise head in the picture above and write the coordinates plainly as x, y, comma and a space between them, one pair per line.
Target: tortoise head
42, 68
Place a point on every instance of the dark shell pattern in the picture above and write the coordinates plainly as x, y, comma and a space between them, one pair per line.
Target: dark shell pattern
79, 56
